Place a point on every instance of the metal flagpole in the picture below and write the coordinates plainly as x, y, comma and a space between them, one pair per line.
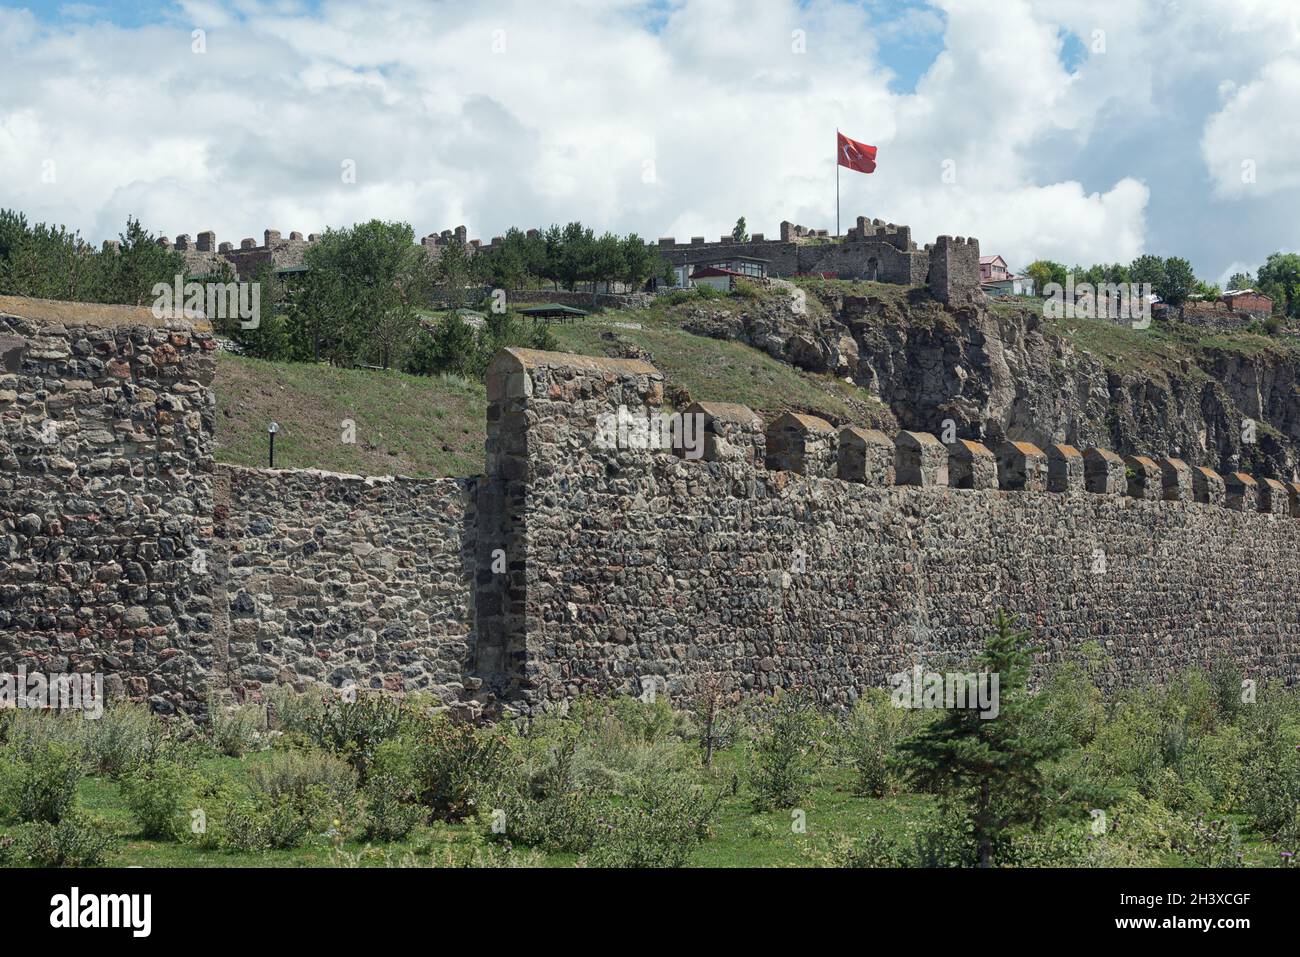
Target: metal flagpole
837, 182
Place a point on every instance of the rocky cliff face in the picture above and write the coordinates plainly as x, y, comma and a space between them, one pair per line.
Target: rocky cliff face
1003, 372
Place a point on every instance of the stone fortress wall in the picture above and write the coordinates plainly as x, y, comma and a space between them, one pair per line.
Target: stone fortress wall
791, 553
871, 249
795, 553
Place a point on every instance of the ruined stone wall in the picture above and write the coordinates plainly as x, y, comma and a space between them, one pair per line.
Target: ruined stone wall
106, 504
954, 269
634, 566
879, 256
339, 579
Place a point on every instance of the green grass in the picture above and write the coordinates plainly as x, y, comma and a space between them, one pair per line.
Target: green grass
404, 424
717, 370
741, 837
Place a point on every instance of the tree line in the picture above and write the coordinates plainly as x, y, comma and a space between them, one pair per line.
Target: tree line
1174, 281
49, 262
364, 299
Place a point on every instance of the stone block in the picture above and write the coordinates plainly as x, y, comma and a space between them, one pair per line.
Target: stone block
1064, 469
920, 459
1143, 476
1022, 467
1293, 496
866, 456
1176, 480
1273, 497
801, 443
731, 433
1241, 492
971, 465
1103, 472
1207, 486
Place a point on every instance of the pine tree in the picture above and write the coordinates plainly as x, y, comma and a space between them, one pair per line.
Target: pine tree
989, 768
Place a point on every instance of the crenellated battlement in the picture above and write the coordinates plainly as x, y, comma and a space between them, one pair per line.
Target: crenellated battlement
204, 254
612, 542
798, 551
872, 249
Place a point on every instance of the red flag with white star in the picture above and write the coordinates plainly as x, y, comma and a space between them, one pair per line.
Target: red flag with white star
855, 155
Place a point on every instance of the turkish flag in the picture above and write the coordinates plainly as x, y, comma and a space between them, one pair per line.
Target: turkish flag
855, 155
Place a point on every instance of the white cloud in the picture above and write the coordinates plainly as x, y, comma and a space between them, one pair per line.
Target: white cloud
586, 97
1251, 145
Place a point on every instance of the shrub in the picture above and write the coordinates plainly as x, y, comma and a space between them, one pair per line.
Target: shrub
718, 723
621, 741
535, 801
785, 752
451, 764
293, 712
867, 740
253, 827
127, 736
876, 849
159, 796
1271, 789
75, 841
1210, 842
1072, 704
289, 794
42, 785
1065, 844
663, 823
945, 839
392, 810
26, 731
234, 731
564, 821
353, 730
314, 782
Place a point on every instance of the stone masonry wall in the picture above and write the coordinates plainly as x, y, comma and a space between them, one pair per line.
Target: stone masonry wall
636, 566
106, 504
571, 567
338, 579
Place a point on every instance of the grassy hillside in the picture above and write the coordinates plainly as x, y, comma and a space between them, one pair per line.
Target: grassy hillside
417, 425
405, 425
718, 370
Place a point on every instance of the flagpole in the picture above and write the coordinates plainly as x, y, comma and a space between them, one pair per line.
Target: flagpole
837, 182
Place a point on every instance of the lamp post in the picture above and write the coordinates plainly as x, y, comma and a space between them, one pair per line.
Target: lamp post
271, 429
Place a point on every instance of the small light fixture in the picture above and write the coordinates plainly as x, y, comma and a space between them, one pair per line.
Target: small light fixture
271, 429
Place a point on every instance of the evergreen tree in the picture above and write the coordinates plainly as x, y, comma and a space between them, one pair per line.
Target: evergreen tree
990, 769
739, 232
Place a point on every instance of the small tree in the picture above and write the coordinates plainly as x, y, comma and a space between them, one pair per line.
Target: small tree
1148, 269
738, 232
990, 768
1279, 277
1043, 271
1178, 282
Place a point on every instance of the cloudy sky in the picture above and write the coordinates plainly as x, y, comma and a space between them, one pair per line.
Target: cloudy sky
1078, 130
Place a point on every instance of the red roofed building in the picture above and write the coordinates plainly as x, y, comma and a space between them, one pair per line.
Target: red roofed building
993, 269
